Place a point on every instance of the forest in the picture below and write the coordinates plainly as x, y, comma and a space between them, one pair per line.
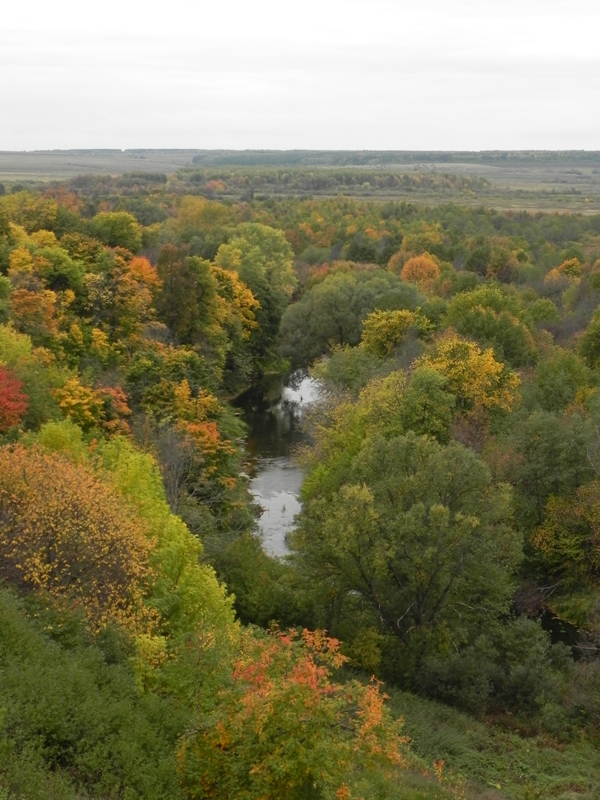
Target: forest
435, 631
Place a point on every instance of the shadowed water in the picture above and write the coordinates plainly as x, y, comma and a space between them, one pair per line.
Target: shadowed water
273, 414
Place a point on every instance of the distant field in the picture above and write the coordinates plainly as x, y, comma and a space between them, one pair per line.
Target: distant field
58, 165
520, 180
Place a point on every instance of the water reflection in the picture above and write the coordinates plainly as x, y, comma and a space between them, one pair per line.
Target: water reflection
273, 414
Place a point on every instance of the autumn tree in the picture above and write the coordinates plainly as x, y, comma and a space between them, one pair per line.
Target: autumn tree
283, 728
421, 236
207, 307
495, 319
383, 331
104, 408
120, 296
33, 212
188, 301
263, 259
13, 401
65, 533
37, 370
571, 267
474, 376
568, 542
421, 270
35, 313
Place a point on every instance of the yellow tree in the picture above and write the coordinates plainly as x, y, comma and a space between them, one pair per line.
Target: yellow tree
474, 376
385, 330
66, 534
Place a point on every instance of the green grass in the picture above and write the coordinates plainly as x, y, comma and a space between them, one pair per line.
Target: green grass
497, 763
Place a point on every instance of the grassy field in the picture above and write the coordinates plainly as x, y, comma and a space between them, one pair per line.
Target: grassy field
532, 181
56, 165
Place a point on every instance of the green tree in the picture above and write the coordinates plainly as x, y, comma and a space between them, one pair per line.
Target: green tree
545, 454
494, 319
559, 377
333, 311
428, 405
264, 261
416, 533
590, 341
118, 229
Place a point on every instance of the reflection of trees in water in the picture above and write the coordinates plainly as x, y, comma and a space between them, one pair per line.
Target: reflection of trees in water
274, 421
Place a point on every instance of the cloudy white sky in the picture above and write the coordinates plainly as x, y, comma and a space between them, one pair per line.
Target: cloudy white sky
338, 74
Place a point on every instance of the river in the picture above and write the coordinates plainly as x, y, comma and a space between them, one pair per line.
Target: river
273, 414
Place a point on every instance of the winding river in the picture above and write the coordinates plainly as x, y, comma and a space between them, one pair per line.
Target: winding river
273, 414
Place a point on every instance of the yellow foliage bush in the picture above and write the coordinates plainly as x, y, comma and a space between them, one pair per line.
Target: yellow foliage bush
65, 533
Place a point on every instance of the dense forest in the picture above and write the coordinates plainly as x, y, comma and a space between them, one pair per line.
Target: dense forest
435, 632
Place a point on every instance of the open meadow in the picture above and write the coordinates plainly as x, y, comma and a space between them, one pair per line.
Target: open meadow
523, 180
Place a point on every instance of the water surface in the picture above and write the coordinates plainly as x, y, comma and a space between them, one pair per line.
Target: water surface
274, 414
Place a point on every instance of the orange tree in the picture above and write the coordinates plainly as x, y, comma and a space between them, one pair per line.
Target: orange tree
421, 270
281, 728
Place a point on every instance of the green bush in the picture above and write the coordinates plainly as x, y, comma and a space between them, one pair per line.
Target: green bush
74, 722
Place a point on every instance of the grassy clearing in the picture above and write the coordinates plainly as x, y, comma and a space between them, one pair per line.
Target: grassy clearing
498, 764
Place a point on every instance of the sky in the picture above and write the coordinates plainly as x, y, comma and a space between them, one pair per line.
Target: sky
315, 74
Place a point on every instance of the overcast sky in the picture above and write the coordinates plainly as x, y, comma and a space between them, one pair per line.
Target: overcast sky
322, 74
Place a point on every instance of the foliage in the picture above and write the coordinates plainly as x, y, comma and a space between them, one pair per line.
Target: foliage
347, 369
282, 728
37, 370
421, 270
141, 353
493, 318
545, 454
561, 379
383, 331
333, 311
80, 404
66, 534
13, 402
418, 533
590, 342
474, 376
486, 751
263, 259
117, 229
74, 723
428, 405
568, 542
184, 592
207, 307
32, 211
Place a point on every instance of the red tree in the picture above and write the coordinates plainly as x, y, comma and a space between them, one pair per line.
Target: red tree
13, 402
